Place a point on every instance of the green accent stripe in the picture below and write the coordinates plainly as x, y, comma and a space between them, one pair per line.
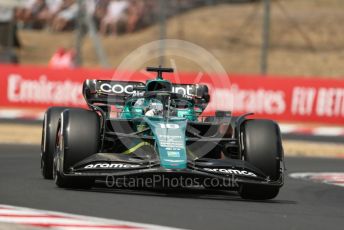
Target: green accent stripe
136, 147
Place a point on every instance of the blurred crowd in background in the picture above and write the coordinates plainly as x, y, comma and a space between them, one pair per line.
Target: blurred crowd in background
110, 16
301, 37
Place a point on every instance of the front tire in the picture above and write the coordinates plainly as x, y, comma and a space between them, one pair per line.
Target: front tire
79, 138
262, 147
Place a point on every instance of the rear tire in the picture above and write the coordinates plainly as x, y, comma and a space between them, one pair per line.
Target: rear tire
262, 147
79, 138
51, 117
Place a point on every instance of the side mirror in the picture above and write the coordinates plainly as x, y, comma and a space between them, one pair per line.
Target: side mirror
202, 92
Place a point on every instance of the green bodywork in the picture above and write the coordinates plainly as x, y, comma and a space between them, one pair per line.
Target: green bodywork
170, 141
131, 110
168, 130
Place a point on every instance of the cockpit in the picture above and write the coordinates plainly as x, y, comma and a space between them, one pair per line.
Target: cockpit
138, 107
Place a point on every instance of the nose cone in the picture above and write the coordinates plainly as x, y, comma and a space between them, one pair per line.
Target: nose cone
170, 140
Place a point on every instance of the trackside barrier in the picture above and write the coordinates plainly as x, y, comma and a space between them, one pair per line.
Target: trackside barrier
288, 99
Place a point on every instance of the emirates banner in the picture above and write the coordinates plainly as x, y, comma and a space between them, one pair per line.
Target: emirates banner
282, 99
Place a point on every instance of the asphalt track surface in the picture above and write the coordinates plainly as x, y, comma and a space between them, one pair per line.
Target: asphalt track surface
300, 205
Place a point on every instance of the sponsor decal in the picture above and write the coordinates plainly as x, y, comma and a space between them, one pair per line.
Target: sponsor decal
174, 161
169, 126
185, 90
231, 171
110, 166
125, 88
173, 154
117, 88
171, 141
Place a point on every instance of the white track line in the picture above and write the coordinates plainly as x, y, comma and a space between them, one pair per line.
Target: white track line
332, 178
316, 131
65, 221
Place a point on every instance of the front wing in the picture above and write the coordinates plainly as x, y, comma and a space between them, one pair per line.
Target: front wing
204, 172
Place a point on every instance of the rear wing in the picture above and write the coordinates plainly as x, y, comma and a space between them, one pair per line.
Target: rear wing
109, 92
116, 92
200, 93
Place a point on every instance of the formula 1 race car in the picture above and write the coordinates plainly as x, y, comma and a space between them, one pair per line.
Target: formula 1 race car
159, 134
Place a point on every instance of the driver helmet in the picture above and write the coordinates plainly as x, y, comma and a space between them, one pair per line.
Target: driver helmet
155, 108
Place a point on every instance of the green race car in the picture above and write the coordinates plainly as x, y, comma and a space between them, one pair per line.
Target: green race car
159, 135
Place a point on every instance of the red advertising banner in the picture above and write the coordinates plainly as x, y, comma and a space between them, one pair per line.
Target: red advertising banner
278, 98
